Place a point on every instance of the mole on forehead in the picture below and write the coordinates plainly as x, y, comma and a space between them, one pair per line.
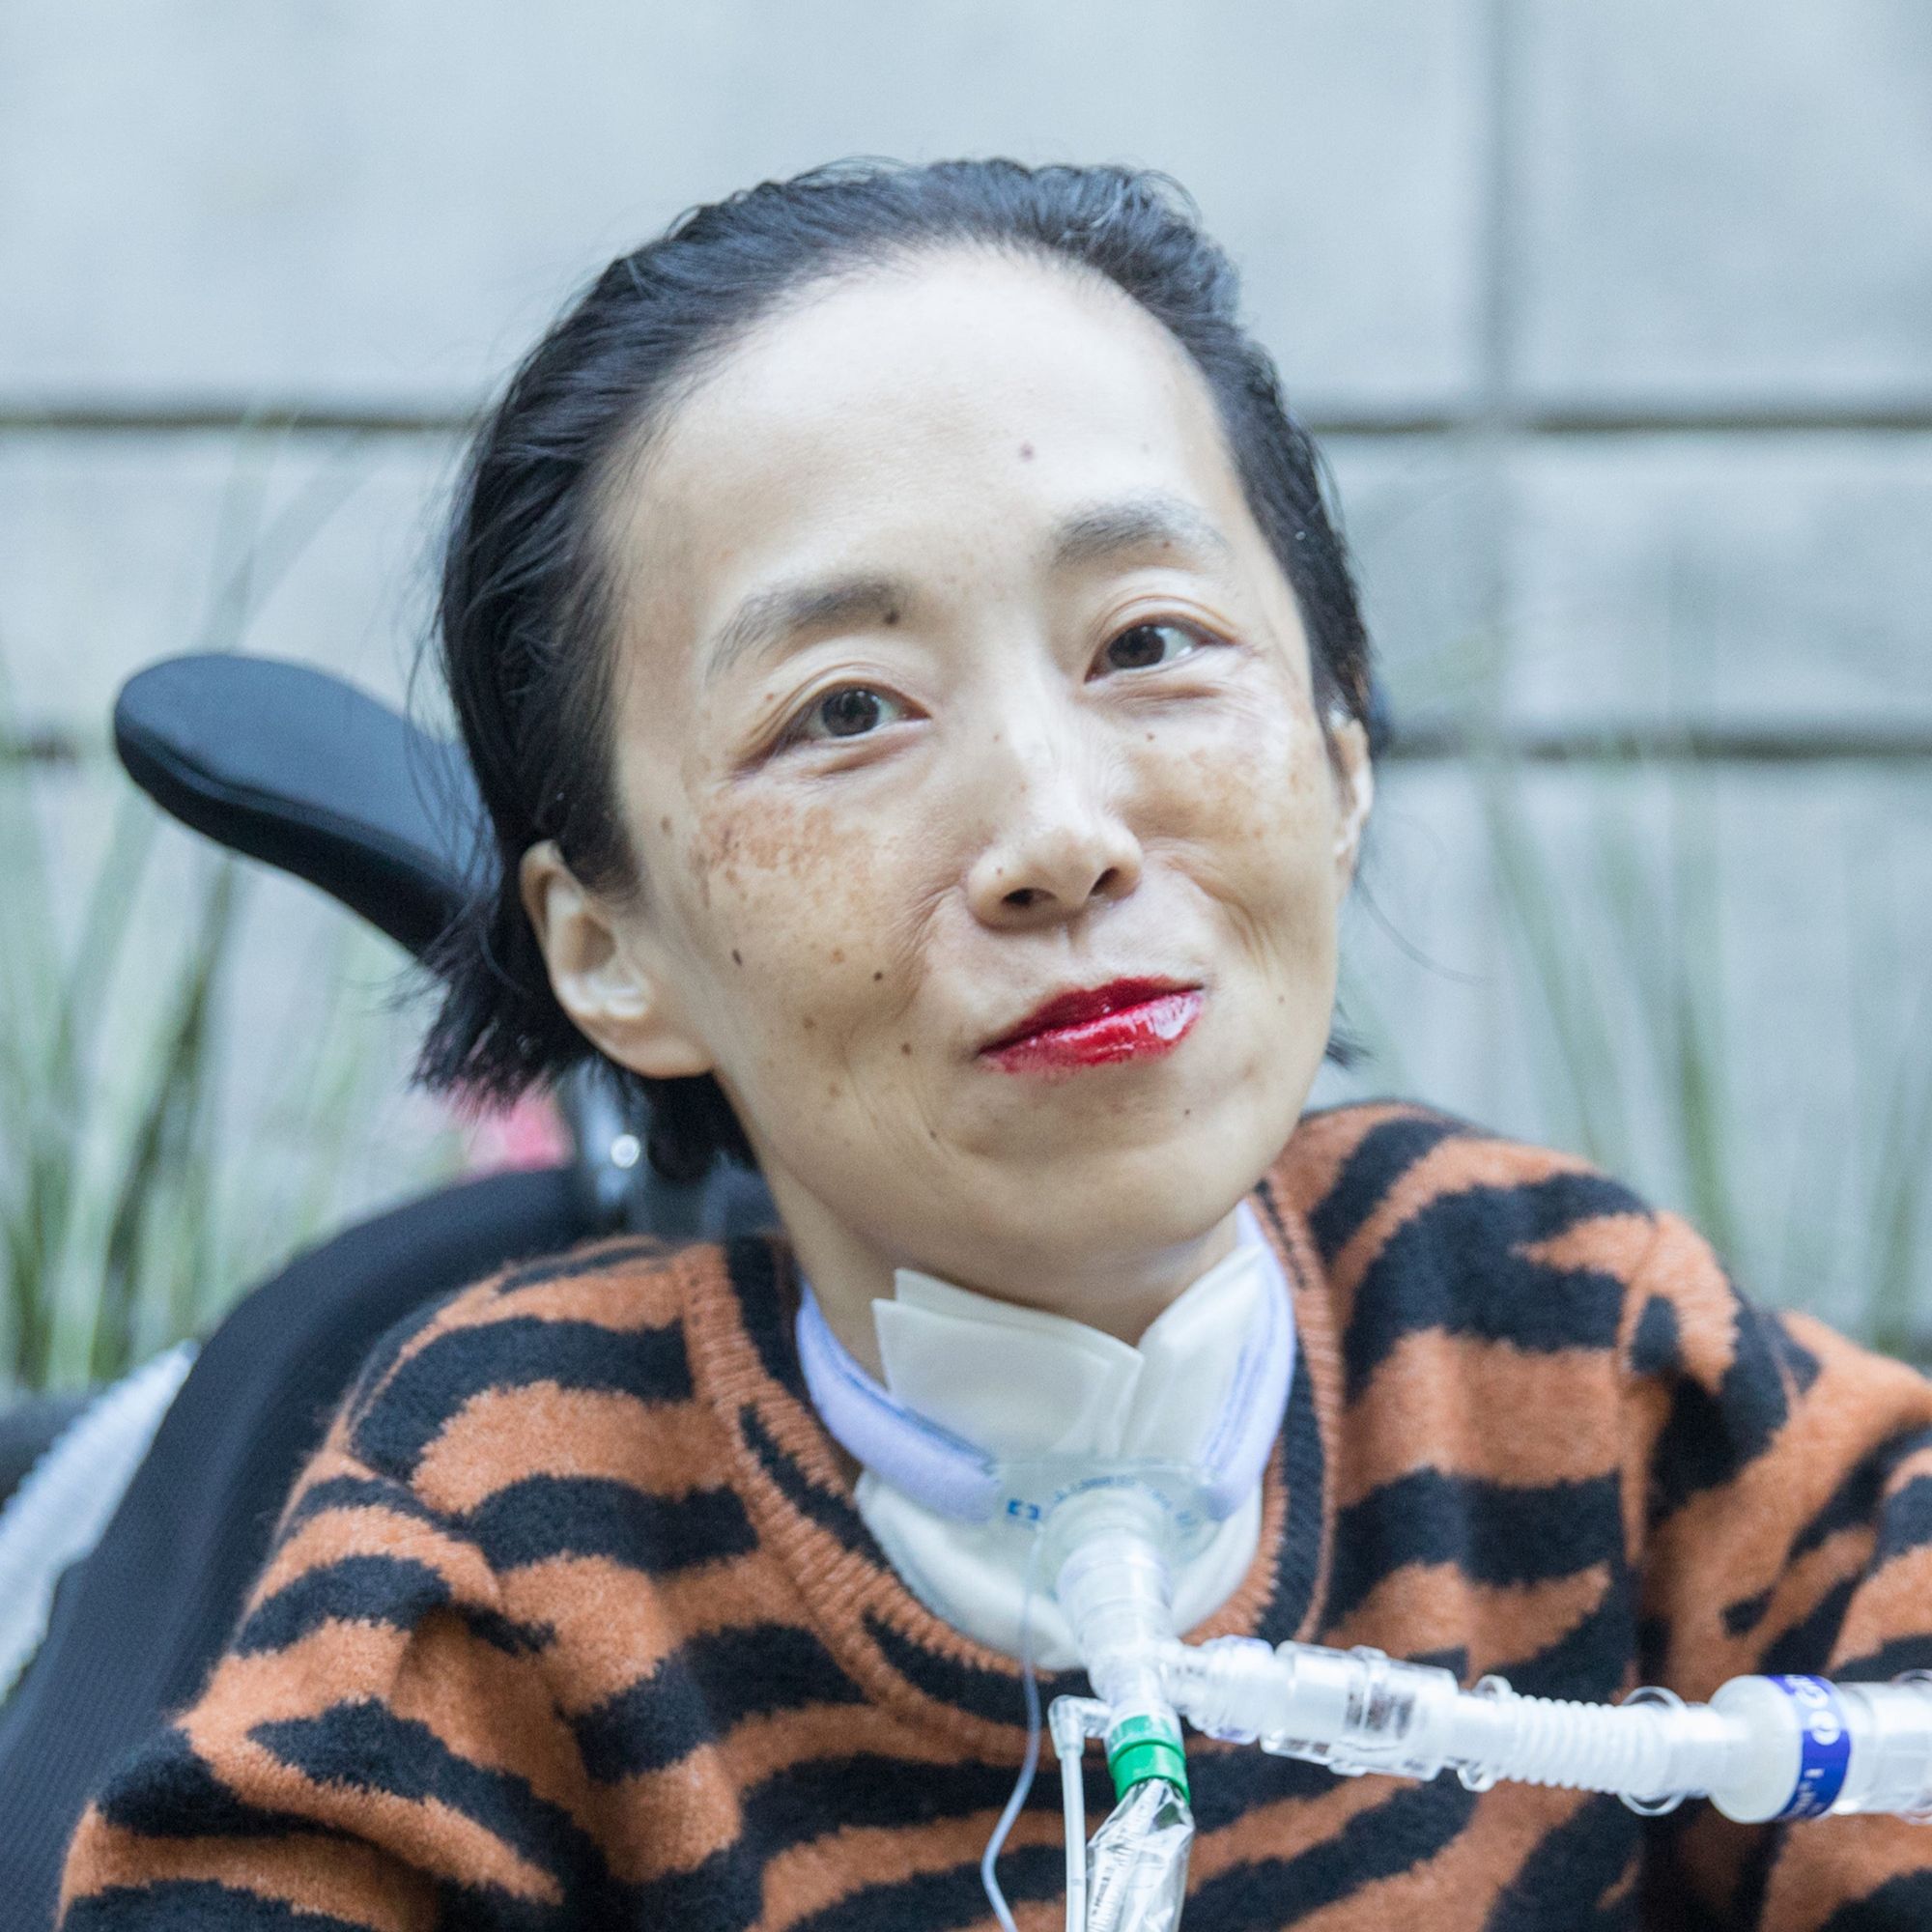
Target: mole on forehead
1092, 534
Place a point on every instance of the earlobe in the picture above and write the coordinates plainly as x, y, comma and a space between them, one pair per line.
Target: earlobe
613, 992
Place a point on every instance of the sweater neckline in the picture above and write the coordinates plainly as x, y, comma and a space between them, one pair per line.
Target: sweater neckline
740, 1302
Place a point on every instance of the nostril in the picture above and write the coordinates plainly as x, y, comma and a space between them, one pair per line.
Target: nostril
1021, 896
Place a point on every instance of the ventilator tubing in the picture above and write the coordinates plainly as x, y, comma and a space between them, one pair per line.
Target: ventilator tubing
1763, 1748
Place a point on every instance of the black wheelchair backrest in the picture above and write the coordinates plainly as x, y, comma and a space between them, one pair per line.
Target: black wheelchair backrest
288, 765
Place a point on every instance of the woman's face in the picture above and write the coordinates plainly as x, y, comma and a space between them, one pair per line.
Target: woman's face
953, 675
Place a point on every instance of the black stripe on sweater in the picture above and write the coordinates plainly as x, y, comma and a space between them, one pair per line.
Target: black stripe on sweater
812, 1800
1901, 1904
1298, 1558
372, 1588
1456, 1265
546, 1517
941, 1902
358, 1493
701, 1690
757, 1266
807, 1800
1854, 1505
196, 1905
1588, 1660
830, 1510
488, 1908
388, 1347
1225, 1785
367, 1747
1890, 1660
1414, 1825
167, 1790
1806, 1648
724, 1892
575, 1264
1494, 1532
367, 1587
1656, 1345
1905, 1521
994, 1695
1854, 1502
1576, 1861
1378, 1162
1709, 1437
431, 1388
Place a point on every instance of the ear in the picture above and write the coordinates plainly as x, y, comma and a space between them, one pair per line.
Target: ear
605, 978
1356, 793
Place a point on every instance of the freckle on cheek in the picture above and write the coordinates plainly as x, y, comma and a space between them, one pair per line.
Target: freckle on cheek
737, 957
838, 956
765, 837
905, 1046
879, 976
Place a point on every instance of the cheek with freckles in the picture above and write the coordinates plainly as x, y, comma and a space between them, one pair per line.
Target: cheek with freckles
787, 915
1253, 795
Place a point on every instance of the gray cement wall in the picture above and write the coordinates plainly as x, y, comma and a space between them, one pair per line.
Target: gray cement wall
1616, 320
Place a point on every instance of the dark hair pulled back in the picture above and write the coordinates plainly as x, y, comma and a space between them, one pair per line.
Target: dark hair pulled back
524, 615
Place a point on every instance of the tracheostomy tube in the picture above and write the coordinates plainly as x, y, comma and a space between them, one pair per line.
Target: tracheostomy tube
1108, 1545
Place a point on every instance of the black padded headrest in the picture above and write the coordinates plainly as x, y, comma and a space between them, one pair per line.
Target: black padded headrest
288, 765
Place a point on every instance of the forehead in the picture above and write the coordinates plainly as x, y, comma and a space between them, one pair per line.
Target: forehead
938, 416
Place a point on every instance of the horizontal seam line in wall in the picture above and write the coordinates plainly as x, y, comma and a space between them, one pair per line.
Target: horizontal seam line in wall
1905, 414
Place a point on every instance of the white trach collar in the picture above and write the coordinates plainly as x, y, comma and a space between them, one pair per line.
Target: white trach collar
977, 1390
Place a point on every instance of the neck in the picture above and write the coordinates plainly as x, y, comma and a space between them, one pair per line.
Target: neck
1120, 1292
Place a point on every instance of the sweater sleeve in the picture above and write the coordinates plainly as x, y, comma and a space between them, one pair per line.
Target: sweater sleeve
1780, 1495
376, 1749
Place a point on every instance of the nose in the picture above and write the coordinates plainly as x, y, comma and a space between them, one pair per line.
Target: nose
1061, 845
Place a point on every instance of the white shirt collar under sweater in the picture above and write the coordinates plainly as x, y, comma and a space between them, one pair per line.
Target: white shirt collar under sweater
1015, 1383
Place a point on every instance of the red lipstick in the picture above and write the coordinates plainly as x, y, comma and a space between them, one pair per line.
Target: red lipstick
1128, 1019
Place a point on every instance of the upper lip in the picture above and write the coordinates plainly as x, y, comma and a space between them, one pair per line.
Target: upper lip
1087, 1002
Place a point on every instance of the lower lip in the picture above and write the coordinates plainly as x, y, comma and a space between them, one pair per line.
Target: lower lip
1144, 1032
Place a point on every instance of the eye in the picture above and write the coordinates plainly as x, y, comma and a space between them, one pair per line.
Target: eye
1148, 647
852, 711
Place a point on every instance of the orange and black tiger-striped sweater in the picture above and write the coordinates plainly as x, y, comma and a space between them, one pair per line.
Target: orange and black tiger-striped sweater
572, 1622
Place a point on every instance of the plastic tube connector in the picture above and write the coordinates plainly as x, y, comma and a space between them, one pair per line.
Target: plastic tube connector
1819, 1747
1114, 1584
1764, 1747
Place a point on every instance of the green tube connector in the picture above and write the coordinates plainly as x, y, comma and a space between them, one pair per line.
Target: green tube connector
1141, 1748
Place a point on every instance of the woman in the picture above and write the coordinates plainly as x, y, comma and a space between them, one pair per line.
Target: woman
920, 701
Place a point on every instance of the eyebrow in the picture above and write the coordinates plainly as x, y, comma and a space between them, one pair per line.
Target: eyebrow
1154, 521
768, 617
1094, 534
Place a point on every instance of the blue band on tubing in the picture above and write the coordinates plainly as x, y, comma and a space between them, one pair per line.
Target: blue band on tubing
1823, 1745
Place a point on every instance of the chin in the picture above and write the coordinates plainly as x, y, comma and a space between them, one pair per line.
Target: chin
1160, 1188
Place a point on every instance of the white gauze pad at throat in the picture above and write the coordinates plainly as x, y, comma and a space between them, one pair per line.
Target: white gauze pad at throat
1013, 1383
